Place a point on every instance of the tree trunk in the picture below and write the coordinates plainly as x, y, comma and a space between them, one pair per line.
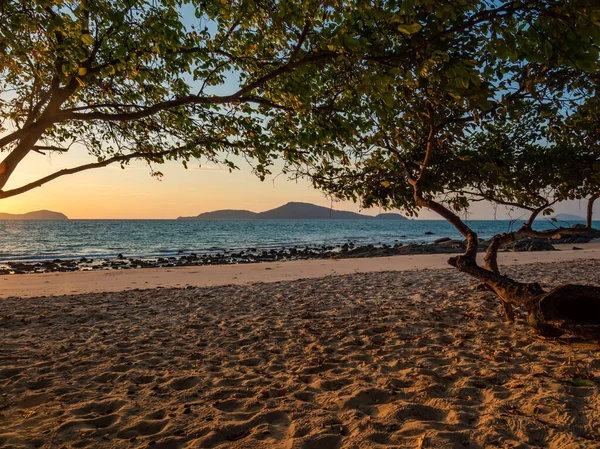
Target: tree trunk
573, 309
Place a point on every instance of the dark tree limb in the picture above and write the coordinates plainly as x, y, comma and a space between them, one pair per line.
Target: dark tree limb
35, 132
242, 95
151, 156
590, 210
41, 148
567, 309
69, 171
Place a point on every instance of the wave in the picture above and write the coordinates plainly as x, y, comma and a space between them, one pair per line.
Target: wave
102, 239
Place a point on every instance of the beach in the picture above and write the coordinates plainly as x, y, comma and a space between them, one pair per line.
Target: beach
51, 284
370, 353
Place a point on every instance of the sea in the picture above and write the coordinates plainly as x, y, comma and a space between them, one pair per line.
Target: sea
70, 239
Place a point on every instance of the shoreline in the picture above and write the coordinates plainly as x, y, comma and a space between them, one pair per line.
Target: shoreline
44, 263
66, 283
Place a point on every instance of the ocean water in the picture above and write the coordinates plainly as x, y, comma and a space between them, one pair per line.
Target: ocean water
31, 240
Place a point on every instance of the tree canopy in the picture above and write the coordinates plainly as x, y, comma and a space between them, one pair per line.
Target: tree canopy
503, 110
158, 80
152, 80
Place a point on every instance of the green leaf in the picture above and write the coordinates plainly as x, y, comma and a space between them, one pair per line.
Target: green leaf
87, 39
579, 382
410, 28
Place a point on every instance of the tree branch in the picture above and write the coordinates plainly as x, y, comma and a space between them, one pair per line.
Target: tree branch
15, 135
41, 148
301, 40
240, 96
536, 212
70, 171
493, 199
590, 210
428, 150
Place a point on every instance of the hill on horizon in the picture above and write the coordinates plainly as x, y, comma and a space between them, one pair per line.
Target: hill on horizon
563, 217
390, 216
568, 217
35, 215
291, 211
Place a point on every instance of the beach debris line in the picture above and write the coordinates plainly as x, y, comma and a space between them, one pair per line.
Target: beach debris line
349, 250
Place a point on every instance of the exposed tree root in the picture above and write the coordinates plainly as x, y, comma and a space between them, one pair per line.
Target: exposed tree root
573, 309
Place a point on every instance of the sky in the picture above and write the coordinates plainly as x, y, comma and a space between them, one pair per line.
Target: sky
131, 193
112, 192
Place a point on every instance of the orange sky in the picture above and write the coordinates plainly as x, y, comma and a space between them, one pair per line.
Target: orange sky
112, 192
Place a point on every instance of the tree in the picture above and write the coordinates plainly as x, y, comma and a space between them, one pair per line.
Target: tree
504, 110
404, 104
184, 79
141, 79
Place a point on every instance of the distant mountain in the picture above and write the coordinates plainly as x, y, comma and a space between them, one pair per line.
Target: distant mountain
290, 211
568, 217
307, 211
226, 214
390, 216
37, 215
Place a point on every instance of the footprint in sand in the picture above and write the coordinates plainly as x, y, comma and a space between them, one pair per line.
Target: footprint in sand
144, 428
304, 396
272, 425
184, 383
407, 411
318, 442
96, 423
251, 361
380, 438
34, 400
364, 399
157, 415
99, 408
232, 405
331, 384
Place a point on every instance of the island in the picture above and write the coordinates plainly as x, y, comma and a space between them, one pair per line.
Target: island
390, 216
292, 211
568, 217
36, 215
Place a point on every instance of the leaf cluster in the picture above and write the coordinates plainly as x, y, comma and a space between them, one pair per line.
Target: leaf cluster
500, 105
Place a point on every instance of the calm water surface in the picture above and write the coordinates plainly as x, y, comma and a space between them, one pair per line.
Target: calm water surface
26, 240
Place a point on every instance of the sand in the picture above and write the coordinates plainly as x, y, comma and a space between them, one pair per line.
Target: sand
415, 359
32, 285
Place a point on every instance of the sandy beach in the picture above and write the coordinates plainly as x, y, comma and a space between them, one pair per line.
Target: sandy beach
47, 284
380, 359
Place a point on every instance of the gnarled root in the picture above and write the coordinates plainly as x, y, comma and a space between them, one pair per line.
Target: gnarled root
573, 309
